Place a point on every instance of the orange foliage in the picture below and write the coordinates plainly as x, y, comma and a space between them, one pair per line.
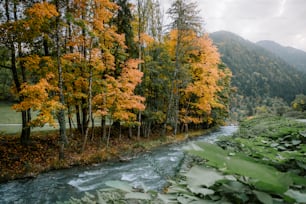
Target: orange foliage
41, 11
38, 97
200, 95
118, 99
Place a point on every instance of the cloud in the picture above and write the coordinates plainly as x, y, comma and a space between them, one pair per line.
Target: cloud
278, 20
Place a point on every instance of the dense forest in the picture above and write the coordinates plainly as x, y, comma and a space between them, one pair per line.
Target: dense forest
79, 61
292, 56
261, 77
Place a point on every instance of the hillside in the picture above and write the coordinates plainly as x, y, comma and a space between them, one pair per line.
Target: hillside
294, 57
258, 73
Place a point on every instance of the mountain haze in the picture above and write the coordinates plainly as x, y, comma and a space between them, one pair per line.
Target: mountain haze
257, 72
292, 56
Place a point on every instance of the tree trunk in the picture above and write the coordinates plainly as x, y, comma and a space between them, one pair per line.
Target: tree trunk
130, 132
89, 109
176, 98
108, 135
84, 116
139, 125
103, 127
70, 121
140, 58
78, 117
120, 132
26, 114
25, 132
92, 127
61, 114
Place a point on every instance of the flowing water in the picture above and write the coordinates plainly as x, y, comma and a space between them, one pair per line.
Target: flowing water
149, 170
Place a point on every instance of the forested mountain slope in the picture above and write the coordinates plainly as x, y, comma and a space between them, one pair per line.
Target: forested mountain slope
258, 73
292, 56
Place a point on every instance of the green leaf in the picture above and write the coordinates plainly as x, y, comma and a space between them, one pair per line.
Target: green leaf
201, 190
186, 199
177, 189
167, 198
303, 133
119, 185
183, 200
202, 202
215, 155
263, 197
138, 196
296, 195
264, 177
234, 186
199, 176
296, 142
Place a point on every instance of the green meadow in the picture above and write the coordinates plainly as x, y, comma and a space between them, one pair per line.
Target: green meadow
10, 120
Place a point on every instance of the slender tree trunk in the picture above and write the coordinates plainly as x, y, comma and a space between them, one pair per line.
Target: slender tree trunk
27, 113
84, 116
78, 117
61, 114
139, 125
92, 127
68, 37
103, 121
103, 127
70, 120
120, 132
89, 109
108, 135
173, 98
46, 47
176, 97
25, 132
130, 132
147, 130
139, 66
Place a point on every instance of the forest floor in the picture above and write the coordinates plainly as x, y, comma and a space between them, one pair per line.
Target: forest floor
18, 161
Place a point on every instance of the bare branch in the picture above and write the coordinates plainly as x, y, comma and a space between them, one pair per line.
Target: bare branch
5, 67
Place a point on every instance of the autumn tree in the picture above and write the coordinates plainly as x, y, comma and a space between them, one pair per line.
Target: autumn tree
111, 60
185, 20
61, 112
9, 36
207, 84
97, 57
21, 32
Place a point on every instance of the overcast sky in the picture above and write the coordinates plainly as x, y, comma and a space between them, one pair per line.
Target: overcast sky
283, 21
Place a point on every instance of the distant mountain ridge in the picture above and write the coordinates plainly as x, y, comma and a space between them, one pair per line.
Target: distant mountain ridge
292, 56
257, 72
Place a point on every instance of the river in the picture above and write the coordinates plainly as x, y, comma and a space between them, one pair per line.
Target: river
150, 169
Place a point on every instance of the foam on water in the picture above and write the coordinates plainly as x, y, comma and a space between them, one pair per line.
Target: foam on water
129, 176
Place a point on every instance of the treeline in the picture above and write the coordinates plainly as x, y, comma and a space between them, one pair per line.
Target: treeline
293, 56
257, 71
114, 61
262, 79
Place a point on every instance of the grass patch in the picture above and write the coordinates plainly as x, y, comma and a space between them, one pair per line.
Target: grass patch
8, 115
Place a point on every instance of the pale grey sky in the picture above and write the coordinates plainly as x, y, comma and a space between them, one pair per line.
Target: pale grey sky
283, 21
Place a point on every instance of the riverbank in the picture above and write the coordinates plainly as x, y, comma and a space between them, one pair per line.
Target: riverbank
41, 155
263, 162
